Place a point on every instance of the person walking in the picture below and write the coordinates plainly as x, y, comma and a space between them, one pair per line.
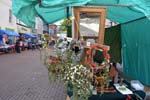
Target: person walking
17, 46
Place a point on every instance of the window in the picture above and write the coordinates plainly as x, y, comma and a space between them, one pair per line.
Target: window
10, 16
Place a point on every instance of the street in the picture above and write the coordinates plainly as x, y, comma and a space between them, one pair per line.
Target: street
23, 77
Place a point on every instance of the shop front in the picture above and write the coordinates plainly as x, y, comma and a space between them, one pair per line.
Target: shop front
23, 29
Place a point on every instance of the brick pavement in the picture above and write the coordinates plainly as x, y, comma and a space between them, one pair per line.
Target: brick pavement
23, 77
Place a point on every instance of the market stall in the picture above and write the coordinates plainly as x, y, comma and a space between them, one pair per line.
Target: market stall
126, 13
8, 41
74, 64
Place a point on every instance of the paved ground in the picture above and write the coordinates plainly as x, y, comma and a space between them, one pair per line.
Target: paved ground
23, 77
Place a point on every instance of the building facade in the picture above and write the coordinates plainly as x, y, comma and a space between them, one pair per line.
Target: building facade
39, 25
8, 21
22, 28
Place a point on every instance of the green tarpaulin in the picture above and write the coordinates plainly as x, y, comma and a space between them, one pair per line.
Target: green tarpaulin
54, 10
113, 39
136, 47
50, 11
25, 11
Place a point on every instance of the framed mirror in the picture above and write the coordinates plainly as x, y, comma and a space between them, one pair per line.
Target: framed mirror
89, 23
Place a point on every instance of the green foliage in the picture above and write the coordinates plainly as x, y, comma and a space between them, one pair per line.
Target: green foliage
65, 24
63, 64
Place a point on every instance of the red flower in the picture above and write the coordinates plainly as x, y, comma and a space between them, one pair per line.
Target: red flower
108, 56
94, 66
53, 62
88, 52
93, 46
105, 49
104, 53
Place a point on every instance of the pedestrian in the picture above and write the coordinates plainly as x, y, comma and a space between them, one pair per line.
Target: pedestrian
17, 46
21, 45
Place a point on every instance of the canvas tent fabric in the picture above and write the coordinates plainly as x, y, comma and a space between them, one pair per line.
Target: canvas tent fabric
58, 3
52, 10
26, 10
136, 47
118, 10
1, 32
9, 33
54, 14
14, 34
1, 39
113, 39
28, 35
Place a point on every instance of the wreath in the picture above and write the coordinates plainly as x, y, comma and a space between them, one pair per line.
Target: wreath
100, 72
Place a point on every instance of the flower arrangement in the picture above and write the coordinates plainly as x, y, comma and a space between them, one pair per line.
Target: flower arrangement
100, 71
67, 64
65, 24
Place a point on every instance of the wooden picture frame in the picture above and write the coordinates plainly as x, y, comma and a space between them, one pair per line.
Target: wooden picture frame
102, 12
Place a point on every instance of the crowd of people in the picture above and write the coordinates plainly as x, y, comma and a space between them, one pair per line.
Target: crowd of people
21, 45
32, 44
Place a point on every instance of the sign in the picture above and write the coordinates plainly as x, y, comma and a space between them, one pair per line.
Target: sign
22, 29
10, 29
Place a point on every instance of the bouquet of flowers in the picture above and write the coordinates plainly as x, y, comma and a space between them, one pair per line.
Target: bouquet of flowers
67, 65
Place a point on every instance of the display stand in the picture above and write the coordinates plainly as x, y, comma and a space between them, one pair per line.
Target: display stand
95, 10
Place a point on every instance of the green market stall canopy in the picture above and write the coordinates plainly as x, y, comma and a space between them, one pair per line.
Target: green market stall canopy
53, 10
133, 16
